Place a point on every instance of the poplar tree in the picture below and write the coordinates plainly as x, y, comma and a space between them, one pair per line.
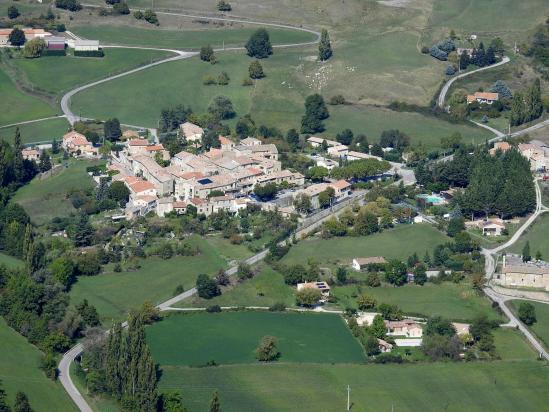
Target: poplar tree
215, 404
324, 47
18, 167
113, 371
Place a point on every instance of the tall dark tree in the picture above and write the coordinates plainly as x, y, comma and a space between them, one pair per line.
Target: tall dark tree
112, 130
17, 37
315, 112
255, 70
4, 407
259, 44
45, 162
292, 137
13, 12
84, 232
526, 255
324, 47
18, 163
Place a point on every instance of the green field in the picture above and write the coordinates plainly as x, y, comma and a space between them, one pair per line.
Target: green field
541, 327
232, 337
265, 289
453, 301
397, 243
37, 132
471, 386
537, 236
185, 39
10, 261
55, 74
19, 371
115, 294
45, 199
16, 106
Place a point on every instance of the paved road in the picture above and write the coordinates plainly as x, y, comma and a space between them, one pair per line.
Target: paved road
32, 121
500, 298
442, 96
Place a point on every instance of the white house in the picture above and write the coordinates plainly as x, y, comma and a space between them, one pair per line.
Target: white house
191, 132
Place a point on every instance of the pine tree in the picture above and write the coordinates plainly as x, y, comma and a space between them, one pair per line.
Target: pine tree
526, 257
22, 403
324, 47
215, 404
84, 231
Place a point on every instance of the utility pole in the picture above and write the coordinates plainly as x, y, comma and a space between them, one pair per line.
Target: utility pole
348, 398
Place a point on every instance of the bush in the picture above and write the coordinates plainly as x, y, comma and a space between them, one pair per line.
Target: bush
213, 309
179, 289
267, 350
208, 80
150, 17
223, 79
121, 8
450, 70
138, 14
71, 5
277, 307
247, 82
47, 52
89, 53
337, 99
425, 50
223, 5
527, 313
207, 287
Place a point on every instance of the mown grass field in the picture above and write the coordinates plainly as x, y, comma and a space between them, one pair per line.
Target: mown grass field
265, 289
39, 132
232, 337
453, 301
185, 39
45, 199
56, 74
115, 294
541, 327
397, 243
16, 106
537, 236
19, 371
472, 386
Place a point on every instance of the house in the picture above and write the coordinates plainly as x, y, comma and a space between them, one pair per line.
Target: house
317, 142
30, 34
368, 262
338, 151
86, 45
342, 189
406, 327
77, 144
489, 227
352, 155
502, 146
191, 132
384, 346
516, 273
537, 154
55, 43
226, 144
419, 219
296, 179
322, 286
483, 98
251, 141
31, 154
129, 134
141, 187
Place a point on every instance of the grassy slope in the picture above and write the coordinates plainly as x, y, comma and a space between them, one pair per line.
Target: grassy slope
501, 386
16, 106
453, 301
232, 337
400, 242
56, 74
10, 261
19, 371
265, 289
46, 199
44, 131
541, 327
185, 39
537, 236
114, 294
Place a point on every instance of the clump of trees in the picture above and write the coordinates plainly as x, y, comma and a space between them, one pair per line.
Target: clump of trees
527, 313
255, 70
259, 45
207, 54
441, 50
171, 118
526, 106
71, 5
223, 5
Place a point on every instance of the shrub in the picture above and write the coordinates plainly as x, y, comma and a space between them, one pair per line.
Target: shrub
450, 70
208, 80
277, 307
223, 5
527, 313
223, 79
255, 70
71, 5
247, 82
267, 350
33, 48
213, 309
206, 53
425, 50
138, 14
337, 99
47, 52
179, 289
89, 53
150, 17
207, 287
121, 8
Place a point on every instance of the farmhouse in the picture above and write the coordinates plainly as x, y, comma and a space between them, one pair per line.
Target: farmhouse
322, 286
317, 142
31, 154
368, 262
537, 153
516, 273
407, 327
489, 227
338, 151
191, 132
482, 97
77, 144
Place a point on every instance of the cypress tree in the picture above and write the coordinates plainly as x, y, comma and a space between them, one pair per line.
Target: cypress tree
18, 168
27, 240
324, 47
146, 381
113, 371
84, 231
215, 404
526, 257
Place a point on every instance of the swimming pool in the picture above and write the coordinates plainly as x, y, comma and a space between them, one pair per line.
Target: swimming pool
433, 199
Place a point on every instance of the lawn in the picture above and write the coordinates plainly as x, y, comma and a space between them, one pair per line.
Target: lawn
16, 106
45, 199
397, 243
232, 337
471, 386
19, 371
512, 345
115, 294
10, 261
453, 301
537, 236
185, 39
39, 132
265, 289
541, 327
56, 74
